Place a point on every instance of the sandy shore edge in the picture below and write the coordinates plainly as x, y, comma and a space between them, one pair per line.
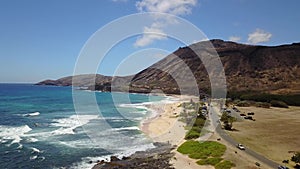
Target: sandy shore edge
166, 127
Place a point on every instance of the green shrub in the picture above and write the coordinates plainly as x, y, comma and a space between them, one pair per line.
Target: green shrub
243, 104
202, 149
192, 135
224, 165
199, 122
292, 100
263, 104
210, 161
281, 104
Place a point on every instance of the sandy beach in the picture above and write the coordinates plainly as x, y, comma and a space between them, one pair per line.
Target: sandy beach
166, 127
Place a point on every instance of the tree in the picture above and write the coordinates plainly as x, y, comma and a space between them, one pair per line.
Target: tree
296, 157
227, 120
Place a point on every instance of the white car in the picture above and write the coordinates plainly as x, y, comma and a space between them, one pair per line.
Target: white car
240, 146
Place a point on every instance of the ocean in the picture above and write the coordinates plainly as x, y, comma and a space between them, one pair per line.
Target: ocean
39, 127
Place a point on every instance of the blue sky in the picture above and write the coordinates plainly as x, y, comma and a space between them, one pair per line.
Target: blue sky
42, 39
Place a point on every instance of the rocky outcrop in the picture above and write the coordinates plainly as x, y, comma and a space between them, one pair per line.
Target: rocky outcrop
156, 158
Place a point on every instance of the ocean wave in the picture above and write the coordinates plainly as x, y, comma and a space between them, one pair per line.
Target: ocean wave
126, 128
33, 157
32, 114
31, 140
13, 133
68, 125
35, 150
89, 162
20, 146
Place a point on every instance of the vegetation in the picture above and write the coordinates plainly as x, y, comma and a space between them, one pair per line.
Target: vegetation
199, 150
192, 134
210, 161
292, 100
296, 158
227, 120
243, 104
209, 153
224, 165
193, 119
276, 103
263, 104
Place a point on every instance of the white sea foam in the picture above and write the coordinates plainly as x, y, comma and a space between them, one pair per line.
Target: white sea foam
126, 128
68, 125
32, 114
13, 133
35, 150
33, 157
20, 146
31, 140
84, 163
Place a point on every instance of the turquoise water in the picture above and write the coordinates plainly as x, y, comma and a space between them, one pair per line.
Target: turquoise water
39, 127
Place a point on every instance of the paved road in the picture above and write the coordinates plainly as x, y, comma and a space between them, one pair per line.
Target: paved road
250, 152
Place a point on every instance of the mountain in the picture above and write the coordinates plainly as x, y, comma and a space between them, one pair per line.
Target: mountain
268, 69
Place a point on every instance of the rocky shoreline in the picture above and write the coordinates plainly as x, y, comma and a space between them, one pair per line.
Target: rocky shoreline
156, 158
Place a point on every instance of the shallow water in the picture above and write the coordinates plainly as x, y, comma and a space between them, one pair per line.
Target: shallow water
39, 127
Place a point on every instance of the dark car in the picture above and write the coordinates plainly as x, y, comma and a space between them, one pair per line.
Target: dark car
282, 167
248, 117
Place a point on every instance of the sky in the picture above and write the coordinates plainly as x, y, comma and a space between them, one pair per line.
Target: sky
43, 39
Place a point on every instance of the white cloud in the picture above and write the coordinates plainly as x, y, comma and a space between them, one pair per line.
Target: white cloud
234, 38
175, 7
151, 34
155, 31
259, 36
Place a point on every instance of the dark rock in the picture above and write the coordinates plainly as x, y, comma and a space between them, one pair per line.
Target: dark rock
157, 158
114, 158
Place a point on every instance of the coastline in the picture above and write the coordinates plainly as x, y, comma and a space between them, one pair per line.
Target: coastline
165, 127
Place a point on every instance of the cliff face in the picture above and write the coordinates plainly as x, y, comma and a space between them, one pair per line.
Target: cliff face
247, 68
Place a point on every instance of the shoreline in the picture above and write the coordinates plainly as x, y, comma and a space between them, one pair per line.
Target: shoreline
165, 127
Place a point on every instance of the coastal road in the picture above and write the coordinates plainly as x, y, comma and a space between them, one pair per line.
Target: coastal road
250, 152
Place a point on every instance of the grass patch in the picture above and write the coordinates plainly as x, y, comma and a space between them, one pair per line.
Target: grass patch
198, 150
210, 161
192, 135
224, 165
198, 156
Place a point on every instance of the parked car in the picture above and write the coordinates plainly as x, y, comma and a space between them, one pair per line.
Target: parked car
250, 113
248, 117
240, 146
242, 114
282, 167
236, 109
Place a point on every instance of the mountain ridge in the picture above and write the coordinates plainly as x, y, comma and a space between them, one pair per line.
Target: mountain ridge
269, 69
